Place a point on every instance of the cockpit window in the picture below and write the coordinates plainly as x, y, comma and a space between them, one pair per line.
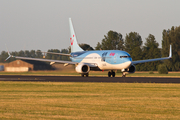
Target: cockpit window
125, 56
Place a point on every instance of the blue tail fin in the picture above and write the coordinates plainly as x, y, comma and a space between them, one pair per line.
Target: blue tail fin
74, 45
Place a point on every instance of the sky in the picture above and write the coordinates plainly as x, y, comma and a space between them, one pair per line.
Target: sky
43, 24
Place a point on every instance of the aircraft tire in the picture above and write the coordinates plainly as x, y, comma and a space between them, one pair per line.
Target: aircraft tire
87, 75
109, 74
113, 74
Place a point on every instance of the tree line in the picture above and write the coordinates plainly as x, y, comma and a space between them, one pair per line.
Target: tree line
132, 43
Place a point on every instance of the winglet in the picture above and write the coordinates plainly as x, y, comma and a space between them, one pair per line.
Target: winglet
8, 54
170, 52
7, 50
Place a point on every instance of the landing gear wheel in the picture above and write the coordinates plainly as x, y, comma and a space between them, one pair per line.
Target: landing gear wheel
87, 75
109, 74
113, 74
124, 75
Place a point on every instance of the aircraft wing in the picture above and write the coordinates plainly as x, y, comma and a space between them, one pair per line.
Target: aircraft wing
149, 60
45, 60
156, 59
57, 53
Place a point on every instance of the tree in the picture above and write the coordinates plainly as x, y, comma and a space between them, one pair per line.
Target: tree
64, 57
150, 51
171, 37
33, 53
3, 56
132, 45
21, 53
111, 41
53, 56
85, 47
27, 53
132, 40
57, 57
69, 49
39, 54
162, 69
98, 47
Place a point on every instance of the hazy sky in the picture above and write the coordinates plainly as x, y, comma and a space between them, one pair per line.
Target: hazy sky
43, 24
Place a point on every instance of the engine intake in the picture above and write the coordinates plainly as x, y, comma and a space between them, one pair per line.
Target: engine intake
131, 69
82, 68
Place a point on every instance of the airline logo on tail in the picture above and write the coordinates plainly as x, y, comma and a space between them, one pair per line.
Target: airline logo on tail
72, 40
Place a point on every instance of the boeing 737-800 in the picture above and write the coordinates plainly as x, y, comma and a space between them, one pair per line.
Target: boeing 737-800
101, 60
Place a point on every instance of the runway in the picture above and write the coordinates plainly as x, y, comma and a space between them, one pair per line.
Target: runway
88, 79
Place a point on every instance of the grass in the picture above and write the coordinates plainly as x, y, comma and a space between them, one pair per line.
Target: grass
47, 100
92, 73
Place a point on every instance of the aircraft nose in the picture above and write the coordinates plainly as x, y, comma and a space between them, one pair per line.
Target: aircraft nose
129, 63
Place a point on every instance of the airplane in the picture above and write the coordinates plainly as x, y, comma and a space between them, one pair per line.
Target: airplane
96, 60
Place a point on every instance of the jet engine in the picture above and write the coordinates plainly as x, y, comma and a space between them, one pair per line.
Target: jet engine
82, 68
131, 69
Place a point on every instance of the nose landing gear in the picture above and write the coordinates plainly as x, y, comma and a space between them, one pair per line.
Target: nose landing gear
123, 74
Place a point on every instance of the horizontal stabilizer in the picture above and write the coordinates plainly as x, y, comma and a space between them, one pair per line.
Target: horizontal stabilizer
56, 53
45, 60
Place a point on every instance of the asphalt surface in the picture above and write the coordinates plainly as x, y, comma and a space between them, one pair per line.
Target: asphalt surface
88, 79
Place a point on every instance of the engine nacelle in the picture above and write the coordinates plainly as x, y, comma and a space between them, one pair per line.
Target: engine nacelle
131, 69
82, 68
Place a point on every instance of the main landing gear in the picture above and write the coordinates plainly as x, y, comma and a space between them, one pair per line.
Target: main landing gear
86, 74
111, 73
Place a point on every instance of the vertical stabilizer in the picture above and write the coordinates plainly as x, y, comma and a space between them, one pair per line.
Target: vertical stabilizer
74, 45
